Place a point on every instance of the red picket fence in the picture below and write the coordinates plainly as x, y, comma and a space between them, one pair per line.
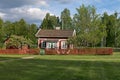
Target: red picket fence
81, 51
19, 51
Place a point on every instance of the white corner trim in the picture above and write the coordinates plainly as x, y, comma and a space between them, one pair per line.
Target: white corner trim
74, 32
37, 33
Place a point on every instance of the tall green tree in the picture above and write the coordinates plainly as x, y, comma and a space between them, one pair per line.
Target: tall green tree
88, 26
22, 28
112, 28
31, 33
1, 32
117, 33
9, 28
117, 30
66, 20
50, 22
1, 23
19, 28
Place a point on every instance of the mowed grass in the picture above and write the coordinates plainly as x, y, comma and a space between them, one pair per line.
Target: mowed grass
60, 67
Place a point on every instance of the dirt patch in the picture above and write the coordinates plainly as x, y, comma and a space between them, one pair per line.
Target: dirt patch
29, 57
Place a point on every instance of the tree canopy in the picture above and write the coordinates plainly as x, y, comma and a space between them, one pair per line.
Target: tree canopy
88, 26
66, 20
17, 42
50, 22
18, 28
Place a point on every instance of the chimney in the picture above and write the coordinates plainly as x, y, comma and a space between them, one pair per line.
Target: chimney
57, 28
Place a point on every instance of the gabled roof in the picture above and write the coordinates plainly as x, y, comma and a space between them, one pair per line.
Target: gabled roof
55, 33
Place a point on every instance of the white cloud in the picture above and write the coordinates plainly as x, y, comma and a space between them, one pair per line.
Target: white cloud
37, 13
31, 10
42, 3
2, 15
30, 14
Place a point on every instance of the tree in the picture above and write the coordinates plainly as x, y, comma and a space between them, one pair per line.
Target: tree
117, 30
32, 29
17, 41
88, 26
18, 28
2, 35
8, 28
66, 19
112, 29
1, 23
50, 22
21, 28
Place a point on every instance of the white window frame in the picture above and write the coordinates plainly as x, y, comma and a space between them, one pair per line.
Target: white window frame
63, 45
48, 45
54, 45
51, 45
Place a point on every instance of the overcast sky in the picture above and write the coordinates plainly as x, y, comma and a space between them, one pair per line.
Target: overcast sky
33, 11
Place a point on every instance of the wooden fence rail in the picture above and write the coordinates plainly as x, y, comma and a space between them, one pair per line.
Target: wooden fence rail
101, 51
19, 51
81, 51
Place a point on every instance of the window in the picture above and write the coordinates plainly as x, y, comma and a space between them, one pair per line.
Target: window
51, 45
54, 45
48, 45
43, 45
63, 45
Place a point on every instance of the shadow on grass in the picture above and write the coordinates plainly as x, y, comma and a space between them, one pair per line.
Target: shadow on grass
8, 58
41, 69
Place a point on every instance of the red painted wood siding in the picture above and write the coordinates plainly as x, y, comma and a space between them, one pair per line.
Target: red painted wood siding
95, 51
19, 51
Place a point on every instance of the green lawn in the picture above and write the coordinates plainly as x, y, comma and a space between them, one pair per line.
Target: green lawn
60, 67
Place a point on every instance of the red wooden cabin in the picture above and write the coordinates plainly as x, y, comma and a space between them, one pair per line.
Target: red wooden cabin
54, 39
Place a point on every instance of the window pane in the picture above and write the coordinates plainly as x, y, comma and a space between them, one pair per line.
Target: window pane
43, 45
54, 45
63, 45
48, 45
